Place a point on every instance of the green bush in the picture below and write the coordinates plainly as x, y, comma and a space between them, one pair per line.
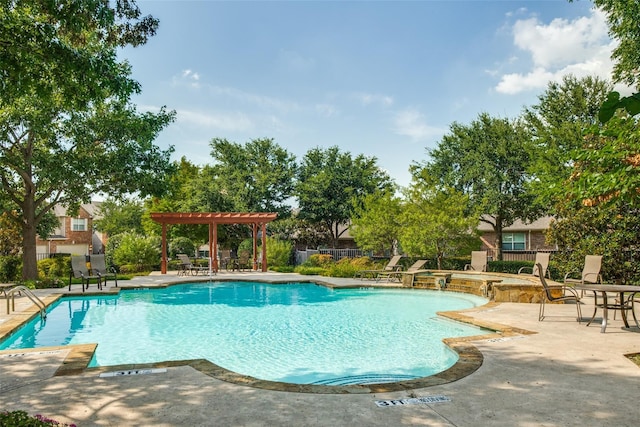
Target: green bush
181, 245
112, 245
10, 266
309, 271
141, 251
343, 268
22, 419
283, 269
50, 268
279, 252
319, 260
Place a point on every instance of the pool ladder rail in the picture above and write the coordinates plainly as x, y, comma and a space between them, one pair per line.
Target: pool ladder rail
11, 295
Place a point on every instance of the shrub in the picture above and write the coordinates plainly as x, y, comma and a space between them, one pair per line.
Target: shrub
342, 268
318, 260
283, 269
49, 268
309, 271
141, 251
21, 418
181, 245
278, 252
10, 267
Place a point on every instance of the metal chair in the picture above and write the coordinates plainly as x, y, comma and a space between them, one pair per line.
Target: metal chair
557, 293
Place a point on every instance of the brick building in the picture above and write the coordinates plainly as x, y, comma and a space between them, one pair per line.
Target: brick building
75, 234
518, 237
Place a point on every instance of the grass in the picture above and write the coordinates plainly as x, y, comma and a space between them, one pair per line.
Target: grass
634, 357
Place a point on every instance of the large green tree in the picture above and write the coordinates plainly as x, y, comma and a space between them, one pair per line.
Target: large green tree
487, 160
375, 224
67, 127
623, 18
435, 222
119, 217
557, 124
331, 183
257, 176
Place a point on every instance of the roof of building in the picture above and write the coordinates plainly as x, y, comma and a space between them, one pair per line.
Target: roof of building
92, 209
539, 224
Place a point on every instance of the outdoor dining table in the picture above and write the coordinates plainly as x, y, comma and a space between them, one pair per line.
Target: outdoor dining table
621, 303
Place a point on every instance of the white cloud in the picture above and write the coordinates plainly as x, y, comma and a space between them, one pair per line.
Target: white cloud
412, 123
327, 110
581, 47
231, 122
374, 98
295, 61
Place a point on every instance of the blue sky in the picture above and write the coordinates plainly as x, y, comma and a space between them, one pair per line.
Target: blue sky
380, 78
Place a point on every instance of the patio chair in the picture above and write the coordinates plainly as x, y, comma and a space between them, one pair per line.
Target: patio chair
188, 267
478, 261
99, 267
542, 258
79, 270
590, 272
392, 265
225, 257
244, 261
557, 293
393, 275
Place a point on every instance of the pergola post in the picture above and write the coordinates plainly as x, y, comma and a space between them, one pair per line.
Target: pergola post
215, 247
254, 232
163, 262
264, 247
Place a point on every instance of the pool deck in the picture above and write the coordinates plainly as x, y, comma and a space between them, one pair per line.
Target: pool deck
561, 373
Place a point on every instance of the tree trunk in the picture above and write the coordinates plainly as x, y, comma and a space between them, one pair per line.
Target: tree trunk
498, 230
29, 261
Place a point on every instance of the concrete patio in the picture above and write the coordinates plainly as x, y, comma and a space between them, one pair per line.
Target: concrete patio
563, 374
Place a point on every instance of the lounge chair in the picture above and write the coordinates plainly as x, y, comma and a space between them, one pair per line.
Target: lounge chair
79, 270
478, 261
392, 265
393, 275
188, 267
542, 258
557, 293
590, 272
99, 267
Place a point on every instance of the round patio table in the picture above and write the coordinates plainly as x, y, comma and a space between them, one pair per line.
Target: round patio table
621, 303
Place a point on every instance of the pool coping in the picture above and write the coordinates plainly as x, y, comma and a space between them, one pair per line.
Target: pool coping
470, 359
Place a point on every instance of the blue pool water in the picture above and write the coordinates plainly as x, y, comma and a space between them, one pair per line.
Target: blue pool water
296, 333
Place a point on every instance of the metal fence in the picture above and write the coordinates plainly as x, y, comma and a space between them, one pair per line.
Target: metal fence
336, 254
517, 255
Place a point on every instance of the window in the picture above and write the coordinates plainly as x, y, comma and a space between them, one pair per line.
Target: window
513, 241
78, 224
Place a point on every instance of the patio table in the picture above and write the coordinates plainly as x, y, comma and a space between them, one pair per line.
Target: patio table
621, 304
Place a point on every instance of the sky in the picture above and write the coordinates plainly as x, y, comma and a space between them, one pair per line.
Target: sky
381, 78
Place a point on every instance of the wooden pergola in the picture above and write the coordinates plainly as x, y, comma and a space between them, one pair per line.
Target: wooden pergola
254, 220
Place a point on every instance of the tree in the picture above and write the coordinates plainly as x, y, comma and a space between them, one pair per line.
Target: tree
607, 166
331, 183
622, 18
487, 161
610, 230
116, 218
557, 125
435, 223
67, 128
255, 177
375, 224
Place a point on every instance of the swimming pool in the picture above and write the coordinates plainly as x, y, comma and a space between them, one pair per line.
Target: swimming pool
295, 333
